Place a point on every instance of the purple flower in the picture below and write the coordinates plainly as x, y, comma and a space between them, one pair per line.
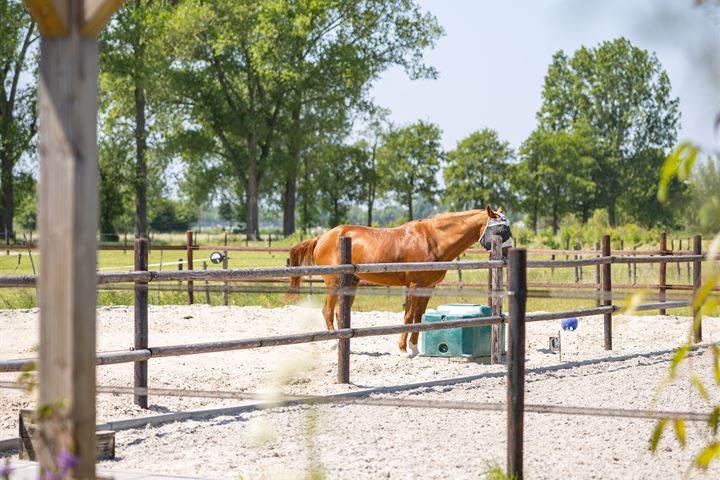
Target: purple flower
5, 469
66, 461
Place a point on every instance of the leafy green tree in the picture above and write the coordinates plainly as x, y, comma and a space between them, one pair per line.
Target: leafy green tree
705, 196
171, 216
410, 159
131, 88
339, 178
477, 172
554, 175
377, 126
623, 93
18, 117
258, 77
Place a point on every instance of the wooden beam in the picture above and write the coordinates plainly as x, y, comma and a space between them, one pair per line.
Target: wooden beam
50, 15
97, 14
68, 212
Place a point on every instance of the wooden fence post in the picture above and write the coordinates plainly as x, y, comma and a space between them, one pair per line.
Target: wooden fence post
180, 267
190, 266
207, 285
697, 283
496, 300
607, 292
67, 104
663, 271
634, 267
597, 276
517, 297
141, 320
345, 300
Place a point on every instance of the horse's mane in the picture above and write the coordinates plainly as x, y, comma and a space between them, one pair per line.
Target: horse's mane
451, 215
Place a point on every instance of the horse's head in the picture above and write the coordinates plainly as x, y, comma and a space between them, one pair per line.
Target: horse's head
497, 224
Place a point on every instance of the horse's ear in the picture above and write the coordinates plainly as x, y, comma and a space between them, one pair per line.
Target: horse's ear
490, 213
499, 210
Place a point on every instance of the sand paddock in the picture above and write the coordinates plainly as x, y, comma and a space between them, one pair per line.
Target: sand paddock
360, 441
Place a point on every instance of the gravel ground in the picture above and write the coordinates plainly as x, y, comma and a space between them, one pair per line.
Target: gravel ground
362, 441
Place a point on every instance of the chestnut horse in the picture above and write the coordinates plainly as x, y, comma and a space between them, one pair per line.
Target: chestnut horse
439, 239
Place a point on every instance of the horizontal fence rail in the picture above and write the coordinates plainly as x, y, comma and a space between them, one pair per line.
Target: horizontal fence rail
111, 358
229, 275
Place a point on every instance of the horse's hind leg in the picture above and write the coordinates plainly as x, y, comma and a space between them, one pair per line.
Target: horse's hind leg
329, 310
420, 307
330, 301
354, 286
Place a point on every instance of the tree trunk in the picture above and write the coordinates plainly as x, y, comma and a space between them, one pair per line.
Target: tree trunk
8, 203
612, 212
370, 204
140, 161
289, 199
555, 222
410, 207
252, 226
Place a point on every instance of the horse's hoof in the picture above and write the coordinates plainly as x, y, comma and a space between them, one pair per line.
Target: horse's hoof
413, 350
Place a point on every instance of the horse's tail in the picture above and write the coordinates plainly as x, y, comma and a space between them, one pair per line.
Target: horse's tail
300, 254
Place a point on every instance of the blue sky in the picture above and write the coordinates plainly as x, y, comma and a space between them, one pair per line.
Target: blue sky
494, 56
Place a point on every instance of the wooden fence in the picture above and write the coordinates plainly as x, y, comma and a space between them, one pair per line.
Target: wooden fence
517, 266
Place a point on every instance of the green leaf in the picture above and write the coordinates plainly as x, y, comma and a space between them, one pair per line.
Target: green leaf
679, 425
678, 164
700, 386
714, 420
707, 455
706, 290
679, 356
716, 362
657, 433
633, 302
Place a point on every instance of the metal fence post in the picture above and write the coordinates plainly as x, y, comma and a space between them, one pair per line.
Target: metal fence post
345, 302
496, 275
141, 320
517, 297
697, 283
607, 292
207, 285
190, 266
663, 272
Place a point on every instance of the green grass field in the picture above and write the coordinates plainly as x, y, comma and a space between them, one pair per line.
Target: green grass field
367, 299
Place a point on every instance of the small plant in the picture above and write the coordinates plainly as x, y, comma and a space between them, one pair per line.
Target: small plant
495, 472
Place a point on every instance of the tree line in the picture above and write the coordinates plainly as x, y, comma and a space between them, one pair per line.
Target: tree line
265, 107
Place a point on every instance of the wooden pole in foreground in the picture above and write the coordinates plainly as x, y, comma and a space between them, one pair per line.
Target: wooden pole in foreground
141, 319
697, 283
68, 212
497, 283
663, 271
344, 308
190, 266
607, 293
517, 297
